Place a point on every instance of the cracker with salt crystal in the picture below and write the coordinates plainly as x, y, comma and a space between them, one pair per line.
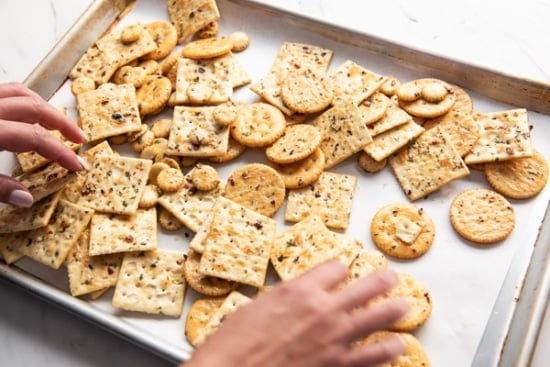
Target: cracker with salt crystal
352, 82
343, 133
112, 233
393, 117
190, 16
195, 133
108, 111
10, 244
330, 197
114, 184
307, 244
238, 244
16, 219
51, 244
204, 81
88, 273
190, 205
504, 135
232, 303
387, 143
427, 164
151, 282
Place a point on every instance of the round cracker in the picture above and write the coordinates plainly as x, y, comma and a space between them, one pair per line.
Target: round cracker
204, 284
168, 221
165, 36
369, 164
207, 48
392, 218
373, 108
258, 187
200, 312
298, 142
417, 295
204, 177
302, 173
307, 91
520, 178
482, 216
234, 150
389, 87
240, 41
258, 124
413, 356
153, 94
435, 105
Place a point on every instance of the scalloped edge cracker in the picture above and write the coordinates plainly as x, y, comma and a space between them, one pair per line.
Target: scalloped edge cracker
195, 133
331, 197
238, 244
343, 133
108, 111
111, 233
51, 244
427, 164
114, 184
151, 282
387, 143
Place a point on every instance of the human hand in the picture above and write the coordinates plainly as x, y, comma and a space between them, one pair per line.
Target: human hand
308, 322
24, 118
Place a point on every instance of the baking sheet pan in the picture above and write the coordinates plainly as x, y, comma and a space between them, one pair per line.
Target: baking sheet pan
502, 287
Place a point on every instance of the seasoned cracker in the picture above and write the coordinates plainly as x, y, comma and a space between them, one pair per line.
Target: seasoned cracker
234, 150
200, 312
239, 74
206, 48
168, 221
302, 173
10, 244
436, 98
354, 83
258, 125
151, 282
369, 164
366, 262
205, 177
461, 127
393, 116
330, 198
170, 179
374, 108
238, 245
47, 180
127, 74
149, 197
307, 91
165, 36
209, 31
427, 164
190, 16
161, 127
402, 231
256, 186
520, 178
482, 216
203, 284
297, 142
389, 142
390, 86
82, 84
414, 354
152, 95
16, 219
240, 41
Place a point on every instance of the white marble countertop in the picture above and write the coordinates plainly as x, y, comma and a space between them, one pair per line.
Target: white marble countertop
500, 34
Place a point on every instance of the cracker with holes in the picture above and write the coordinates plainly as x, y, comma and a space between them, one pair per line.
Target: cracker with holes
112, 233
195, 133
190, 205
46, 180
238, 245
16, 219
307, 244
389, 142
114, 184
189, 17
204, 81
343, 131
51, 244
427, 164
151, 282
504, 135
352, 82
330, 197
291, 56
108, 111
88, 273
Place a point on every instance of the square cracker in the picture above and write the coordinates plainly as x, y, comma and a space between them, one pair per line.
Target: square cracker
352, 82
112, 233
151, 282
238, 244
385, 144
87, 273
213, 75
393, 117
50, 245
46, 180
10, 244
504, 135
109, 110
190, 16
232, 303
343, 131
15, 219
291, 56
195, 133
114, 184
330, 197
427, 164
307, 244
189, 205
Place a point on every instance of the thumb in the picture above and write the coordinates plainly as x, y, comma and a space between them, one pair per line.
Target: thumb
14, 193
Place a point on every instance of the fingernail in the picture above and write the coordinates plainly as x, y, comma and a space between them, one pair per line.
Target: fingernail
83, 163
20, 198
83, 137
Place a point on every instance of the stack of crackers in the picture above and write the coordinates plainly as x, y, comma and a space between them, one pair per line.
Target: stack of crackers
102, 224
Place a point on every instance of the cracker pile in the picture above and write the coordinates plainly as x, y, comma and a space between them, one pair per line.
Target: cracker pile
103, 223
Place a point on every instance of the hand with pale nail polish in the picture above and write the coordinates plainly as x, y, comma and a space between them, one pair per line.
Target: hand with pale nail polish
310, 321
24, 120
